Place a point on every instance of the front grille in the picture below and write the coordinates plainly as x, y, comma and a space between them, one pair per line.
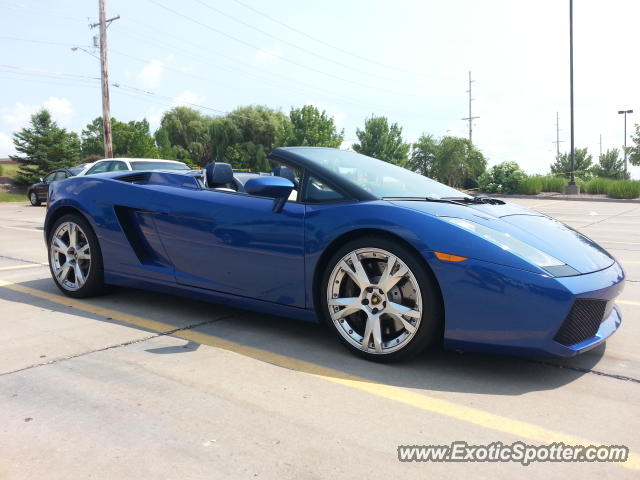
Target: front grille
582, 322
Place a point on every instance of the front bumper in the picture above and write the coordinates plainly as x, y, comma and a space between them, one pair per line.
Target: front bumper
496, 309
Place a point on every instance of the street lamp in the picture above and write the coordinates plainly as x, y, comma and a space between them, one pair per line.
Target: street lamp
624, 112
572, 188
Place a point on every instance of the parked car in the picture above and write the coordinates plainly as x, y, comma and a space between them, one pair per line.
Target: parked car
391, 260
124, 164
38, 192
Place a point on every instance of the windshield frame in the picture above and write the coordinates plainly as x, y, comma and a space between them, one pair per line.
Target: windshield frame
305, 157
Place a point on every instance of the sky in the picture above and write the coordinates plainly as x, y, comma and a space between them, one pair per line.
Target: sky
406, 60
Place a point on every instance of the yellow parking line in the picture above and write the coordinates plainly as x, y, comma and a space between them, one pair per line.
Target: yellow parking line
628, 302
28, 265
434, 405
22, 228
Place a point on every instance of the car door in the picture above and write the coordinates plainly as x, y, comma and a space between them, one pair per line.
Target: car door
42, 188
233, 243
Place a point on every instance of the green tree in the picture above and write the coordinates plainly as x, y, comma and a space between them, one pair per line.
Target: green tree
633, 152
380, 140
310, 127
132, 139
610, 165
451, 160
506, 177
259, 129
44, 146
183, 135
582, 164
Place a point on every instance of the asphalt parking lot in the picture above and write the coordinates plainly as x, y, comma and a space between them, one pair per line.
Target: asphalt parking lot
135, 384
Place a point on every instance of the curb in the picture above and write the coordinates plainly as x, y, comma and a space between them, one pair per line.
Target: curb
569, 198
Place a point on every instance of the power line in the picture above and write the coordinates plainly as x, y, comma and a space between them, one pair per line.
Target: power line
315, 39
286, 42
129, 89
281, 57
246, 72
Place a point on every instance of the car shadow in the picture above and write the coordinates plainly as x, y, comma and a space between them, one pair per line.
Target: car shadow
314, 345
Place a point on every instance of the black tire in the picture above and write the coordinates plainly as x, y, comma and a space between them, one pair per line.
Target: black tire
33, 198
94, 282
429, 330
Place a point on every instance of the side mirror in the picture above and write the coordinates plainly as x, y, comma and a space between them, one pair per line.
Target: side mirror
277, 188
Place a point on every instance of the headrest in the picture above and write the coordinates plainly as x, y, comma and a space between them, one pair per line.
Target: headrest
218, 174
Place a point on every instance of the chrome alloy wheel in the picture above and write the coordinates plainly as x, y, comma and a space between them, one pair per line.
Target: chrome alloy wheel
374, 301
70, 256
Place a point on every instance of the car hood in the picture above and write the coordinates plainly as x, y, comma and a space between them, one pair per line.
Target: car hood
538, 230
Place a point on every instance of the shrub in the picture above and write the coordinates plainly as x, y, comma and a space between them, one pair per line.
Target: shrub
596, 185
505, 177
0, 170
623, 189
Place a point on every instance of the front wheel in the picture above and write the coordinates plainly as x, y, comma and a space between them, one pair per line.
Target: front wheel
381, 300
75, 259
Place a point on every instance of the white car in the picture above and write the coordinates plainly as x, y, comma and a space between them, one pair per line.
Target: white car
124, 164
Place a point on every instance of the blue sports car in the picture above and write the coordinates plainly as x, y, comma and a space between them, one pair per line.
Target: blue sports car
391, 260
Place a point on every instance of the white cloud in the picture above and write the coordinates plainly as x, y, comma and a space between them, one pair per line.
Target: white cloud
18, 116
61, 110
186, 97
6, 145
267, 54
151, 74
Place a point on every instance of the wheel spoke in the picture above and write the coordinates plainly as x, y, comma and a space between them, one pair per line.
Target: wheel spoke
368, 329
63, 271
363, 278
388, 280
60, 244
73, 235
84, 253
357, 273
377, 335
405, 323
80, 278
402, 310
351, 305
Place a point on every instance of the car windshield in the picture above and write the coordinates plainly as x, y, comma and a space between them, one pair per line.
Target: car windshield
75, 170
159, 166
382, 179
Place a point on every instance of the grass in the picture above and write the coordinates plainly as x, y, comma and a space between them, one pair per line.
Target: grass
8, 170
623, 189
12, 197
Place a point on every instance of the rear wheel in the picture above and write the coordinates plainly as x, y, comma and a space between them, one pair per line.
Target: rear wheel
33, 198
381, 300
75, 259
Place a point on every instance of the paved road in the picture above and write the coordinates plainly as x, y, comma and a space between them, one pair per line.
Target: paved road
99, 389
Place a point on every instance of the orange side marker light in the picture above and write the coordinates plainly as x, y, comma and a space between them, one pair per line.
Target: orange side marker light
448, 257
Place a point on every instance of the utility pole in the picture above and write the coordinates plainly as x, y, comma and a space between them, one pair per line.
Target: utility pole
557, 142
470, 118
103, 23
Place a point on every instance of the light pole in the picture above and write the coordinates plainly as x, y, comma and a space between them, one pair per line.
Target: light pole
572, 188
624, 112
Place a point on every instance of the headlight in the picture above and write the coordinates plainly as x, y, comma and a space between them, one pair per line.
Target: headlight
505, 241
